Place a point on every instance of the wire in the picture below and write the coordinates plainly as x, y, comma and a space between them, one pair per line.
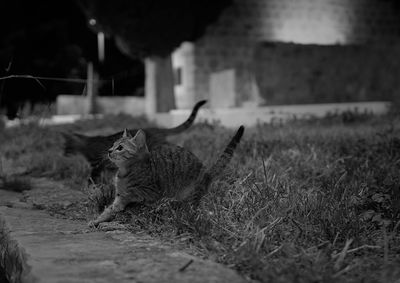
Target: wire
49, 78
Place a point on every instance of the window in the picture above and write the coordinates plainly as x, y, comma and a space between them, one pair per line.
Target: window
178, 76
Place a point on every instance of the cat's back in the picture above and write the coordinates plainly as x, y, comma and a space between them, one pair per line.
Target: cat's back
174, 167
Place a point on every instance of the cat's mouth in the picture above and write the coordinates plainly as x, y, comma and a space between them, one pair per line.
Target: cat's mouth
114, 159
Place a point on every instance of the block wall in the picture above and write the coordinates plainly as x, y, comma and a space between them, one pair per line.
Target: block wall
298, 74
237, 41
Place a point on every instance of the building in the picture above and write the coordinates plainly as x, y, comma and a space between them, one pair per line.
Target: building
271, 52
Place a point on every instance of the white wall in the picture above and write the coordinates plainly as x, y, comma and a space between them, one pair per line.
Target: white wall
234, 117
183, 58
77, 104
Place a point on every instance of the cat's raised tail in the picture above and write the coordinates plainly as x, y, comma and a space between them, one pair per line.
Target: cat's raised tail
218, 167
185, 125
226, 156
94, 147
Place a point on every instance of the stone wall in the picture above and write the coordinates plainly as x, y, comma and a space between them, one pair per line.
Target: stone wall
236, 40
296, 74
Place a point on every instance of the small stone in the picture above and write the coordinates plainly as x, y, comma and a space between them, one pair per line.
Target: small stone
66, 204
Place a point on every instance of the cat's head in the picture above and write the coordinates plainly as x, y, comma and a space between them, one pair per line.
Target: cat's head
128, 147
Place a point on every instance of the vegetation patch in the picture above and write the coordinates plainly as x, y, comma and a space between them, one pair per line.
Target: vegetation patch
308, 201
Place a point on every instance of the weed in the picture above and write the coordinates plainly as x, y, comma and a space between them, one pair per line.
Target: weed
306, 201
100, 196
15, 184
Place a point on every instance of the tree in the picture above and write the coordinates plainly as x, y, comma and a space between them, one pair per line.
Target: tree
151, 29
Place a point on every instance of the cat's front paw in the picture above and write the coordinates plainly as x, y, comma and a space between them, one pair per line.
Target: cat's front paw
93, 224
111, 226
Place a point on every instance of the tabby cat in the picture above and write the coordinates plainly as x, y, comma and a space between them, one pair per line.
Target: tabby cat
145, 176
94, 148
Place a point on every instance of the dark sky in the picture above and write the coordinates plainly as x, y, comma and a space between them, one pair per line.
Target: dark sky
43, 26
51, 38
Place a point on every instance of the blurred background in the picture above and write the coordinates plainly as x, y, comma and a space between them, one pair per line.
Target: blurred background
150, 57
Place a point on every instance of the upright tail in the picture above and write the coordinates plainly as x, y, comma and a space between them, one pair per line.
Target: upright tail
226, 156
218, 167
185, 125
92, 146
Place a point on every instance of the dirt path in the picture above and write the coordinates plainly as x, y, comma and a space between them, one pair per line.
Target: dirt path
38, 247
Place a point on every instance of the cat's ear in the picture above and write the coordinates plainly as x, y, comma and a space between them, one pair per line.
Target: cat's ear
140, 140
126, 134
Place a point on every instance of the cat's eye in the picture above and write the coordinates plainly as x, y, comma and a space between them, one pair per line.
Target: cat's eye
120, 147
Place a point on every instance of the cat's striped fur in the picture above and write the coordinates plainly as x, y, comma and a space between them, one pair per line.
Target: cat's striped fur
170, 171
94, 148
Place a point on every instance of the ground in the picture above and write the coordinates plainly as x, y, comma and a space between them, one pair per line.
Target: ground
38, 246
305, 201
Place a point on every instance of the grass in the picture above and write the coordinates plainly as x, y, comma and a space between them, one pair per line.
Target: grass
307, 201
